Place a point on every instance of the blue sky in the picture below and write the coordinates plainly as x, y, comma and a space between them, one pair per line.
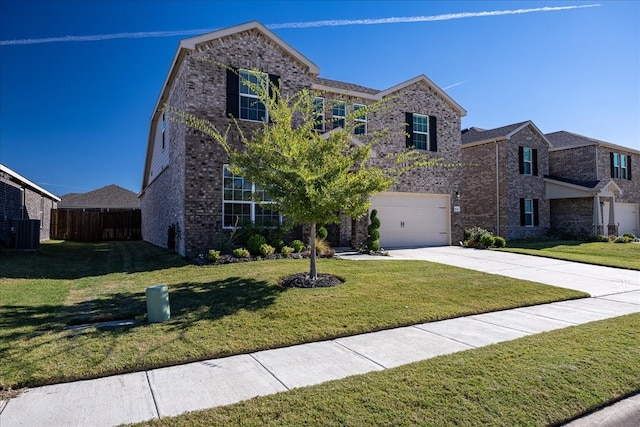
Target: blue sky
79, 79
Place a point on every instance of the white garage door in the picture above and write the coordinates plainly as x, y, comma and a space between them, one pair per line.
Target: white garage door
626, 217
410, 219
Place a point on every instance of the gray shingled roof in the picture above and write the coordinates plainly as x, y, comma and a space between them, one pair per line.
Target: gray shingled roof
345, 86
563, 139
476, 134
111, 196
586, 184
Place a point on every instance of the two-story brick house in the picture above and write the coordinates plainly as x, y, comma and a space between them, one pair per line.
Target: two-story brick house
593, 185
188, 196
503, 180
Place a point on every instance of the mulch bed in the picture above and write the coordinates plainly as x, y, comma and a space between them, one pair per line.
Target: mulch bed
302, 280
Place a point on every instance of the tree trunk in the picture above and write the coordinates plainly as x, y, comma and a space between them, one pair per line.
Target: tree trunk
313, 273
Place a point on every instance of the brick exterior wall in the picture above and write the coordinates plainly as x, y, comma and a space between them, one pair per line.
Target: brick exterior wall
630, 188
479, 188
37, 206
572, 216
574, 163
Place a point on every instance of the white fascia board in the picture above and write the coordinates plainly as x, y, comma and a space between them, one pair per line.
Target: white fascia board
28, 183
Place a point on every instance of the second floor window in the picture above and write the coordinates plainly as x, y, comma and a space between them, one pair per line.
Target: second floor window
339, 113
361, 121
620, 166
250, 106
421, 132
528, 159
318, 110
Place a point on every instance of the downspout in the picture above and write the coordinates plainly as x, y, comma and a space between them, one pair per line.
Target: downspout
497, 194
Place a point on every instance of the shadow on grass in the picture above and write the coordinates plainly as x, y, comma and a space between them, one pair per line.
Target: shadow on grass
189, 303
74, 260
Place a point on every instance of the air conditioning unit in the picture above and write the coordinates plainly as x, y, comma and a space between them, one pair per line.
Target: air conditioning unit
25, 234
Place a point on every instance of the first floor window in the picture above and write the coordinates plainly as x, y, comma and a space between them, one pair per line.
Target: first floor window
239, 207
529, 212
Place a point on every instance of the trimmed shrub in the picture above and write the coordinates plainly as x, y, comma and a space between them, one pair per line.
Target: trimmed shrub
630, 236
241, 253
499, 242
321, 233
278, 245
622, 239
266, 250
213, 255
255, 242
286, 250
298, 246
372, 242
487, 240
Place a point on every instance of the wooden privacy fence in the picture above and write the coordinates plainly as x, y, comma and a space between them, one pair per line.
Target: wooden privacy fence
95, 226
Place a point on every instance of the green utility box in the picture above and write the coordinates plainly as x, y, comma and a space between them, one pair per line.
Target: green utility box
158, 309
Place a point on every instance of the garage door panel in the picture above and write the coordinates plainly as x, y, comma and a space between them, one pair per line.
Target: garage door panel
413, 220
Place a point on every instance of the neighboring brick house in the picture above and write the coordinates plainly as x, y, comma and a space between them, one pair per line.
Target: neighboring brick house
503, 180
22, 203
593, 185
189, 199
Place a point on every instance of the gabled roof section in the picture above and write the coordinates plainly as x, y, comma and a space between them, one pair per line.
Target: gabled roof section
477, 136
562, 140
15, 177
109, 197
559, 188
432, 85
330, 85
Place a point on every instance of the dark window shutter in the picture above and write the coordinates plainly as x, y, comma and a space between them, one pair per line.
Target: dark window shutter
629, 168
613, 172
521, 160
433, 134
409, 121
273, 81
534, 153
536, 219
522, 216
233, 93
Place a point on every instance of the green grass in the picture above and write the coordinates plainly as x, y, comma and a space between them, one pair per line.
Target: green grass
538, 380
622, 255
216, 310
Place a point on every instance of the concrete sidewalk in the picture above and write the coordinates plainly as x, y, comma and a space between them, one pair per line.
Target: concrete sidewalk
173, 390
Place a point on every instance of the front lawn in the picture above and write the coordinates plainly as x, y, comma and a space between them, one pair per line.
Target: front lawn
622, 255
215, 310
539, 380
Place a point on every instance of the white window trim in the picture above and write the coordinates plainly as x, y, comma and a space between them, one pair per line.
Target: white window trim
415, 132
360, 121
336, 117
527, 212
252, 203
253, 96
526, 162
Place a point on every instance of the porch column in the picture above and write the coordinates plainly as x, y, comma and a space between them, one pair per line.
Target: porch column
612, 228
597, 220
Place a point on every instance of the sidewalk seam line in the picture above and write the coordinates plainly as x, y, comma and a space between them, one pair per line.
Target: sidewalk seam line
445, 337
359, 354
268, 371
153, 395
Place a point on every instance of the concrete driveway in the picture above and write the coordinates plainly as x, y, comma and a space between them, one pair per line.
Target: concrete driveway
615, 283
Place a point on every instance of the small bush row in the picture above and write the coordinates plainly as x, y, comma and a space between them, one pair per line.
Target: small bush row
478, 237
625, 238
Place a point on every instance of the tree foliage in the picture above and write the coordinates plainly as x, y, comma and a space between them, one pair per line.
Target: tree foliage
311, 177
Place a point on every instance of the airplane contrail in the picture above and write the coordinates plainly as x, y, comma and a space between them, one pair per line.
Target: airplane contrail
310, 24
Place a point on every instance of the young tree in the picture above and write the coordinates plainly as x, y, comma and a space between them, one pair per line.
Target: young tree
311, 177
